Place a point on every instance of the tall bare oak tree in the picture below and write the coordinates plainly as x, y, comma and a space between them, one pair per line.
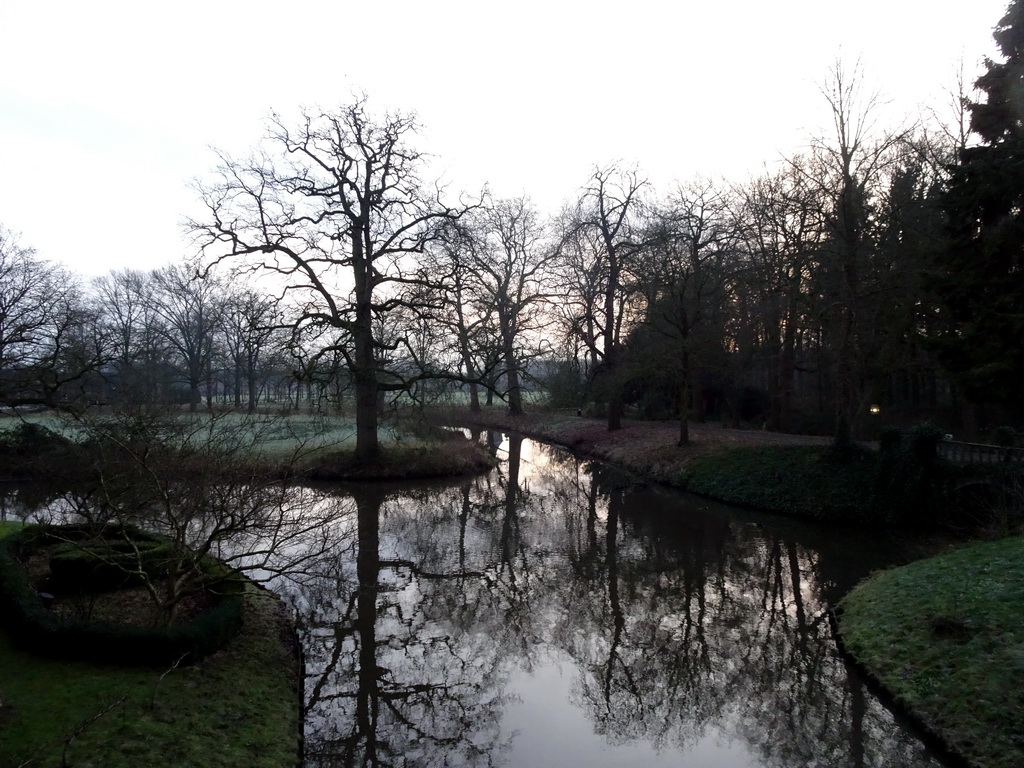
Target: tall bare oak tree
335, 206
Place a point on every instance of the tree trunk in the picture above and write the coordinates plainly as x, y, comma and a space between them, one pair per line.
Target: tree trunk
366, 408
237, 384
467, 362
194, 396
474, 388
365, 373
684, 397
368, 573
684, 415
515, 395
610, 352
787, 373
615, 410
250, 376
774, 365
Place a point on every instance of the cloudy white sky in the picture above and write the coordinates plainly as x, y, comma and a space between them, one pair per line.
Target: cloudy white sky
108, 109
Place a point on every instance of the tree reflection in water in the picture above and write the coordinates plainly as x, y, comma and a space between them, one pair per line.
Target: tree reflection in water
687, 629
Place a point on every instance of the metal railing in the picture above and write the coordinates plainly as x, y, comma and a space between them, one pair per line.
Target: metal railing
979, 453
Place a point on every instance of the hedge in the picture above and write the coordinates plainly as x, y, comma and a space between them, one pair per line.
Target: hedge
100, 566
37, 629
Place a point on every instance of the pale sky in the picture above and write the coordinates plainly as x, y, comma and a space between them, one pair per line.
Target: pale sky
108, 109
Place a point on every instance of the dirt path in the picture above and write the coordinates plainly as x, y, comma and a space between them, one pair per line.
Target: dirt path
648, 448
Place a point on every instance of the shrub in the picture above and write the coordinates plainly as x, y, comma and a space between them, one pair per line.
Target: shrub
1004, 436
41, 631
565, 385
102, 565
911, 485
29, 450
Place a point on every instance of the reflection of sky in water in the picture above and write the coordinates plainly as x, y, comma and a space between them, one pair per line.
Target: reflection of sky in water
533, 457
20, 505
580, 619
552, 734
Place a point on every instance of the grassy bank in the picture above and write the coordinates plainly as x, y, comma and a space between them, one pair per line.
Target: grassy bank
285, 446
894, 486
238, 707
408, 461
787, 474
946, 637
796, 480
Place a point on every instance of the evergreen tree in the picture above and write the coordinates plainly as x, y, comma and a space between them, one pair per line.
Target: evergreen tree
980, 275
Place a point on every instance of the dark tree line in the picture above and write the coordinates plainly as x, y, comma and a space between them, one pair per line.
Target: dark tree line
978, 281
129, 337
878, 269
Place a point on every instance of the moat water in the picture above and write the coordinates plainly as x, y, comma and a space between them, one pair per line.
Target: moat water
554, 613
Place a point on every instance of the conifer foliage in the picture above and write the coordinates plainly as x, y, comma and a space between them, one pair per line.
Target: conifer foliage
980, 275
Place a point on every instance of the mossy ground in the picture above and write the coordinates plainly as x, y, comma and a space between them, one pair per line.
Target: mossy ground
945, 636
237, 708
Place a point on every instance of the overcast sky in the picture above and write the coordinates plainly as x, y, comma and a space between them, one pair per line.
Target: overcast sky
108, 109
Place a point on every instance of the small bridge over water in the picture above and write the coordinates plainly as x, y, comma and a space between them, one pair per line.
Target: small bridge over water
979, 453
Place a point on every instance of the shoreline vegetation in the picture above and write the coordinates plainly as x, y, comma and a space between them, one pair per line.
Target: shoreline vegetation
236, 708
240, 706
941, 635
286, 447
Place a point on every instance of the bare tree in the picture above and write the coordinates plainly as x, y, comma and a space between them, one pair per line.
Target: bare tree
503, 264
191, 309
601, 235
782, 231
44, 326
335, 207
683, 273
463, 318
252, 320
124, 299
848, 170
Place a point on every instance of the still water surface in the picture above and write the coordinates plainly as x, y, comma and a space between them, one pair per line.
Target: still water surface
552, 613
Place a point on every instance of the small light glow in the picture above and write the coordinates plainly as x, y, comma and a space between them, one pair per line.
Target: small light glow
875, 409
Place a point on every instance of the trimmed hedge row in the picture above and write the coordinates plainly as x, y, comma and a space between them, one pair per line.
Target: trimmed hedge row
100, 566
39, 630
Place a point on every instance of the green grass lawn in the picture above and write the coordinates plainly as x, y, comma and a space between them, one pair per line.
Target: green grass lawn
793, 480
295, 440
273, 434
237, 708
945, 636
